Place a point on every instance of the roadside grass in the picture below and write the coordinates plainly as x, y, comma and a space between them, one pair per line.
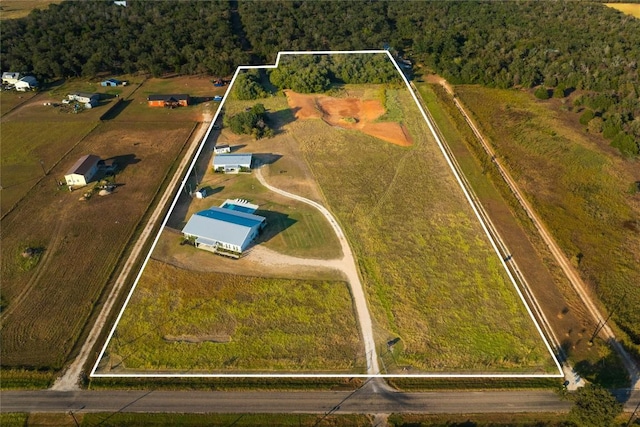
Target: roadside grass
275, 420
123, 419
595, 362
632, 9
82, 240
409, 384
237, 324
480, 420
432, 278
13, 9
226, 383
25, 145
25, 380
579, 189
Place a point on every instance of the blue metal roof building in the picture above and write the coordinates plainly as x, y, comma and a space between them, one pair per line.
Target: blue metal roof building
223, 230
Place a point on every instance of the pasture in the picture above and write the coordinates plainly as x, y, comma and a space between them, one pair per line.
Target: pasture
81, 241
30, 150
632, 9
581, 188
562, 307
14, 9
189, 322
432, 278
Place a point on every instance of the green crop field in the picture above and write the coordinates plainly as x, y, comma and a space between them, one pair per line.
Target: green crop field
582, 190
185, 321
432, 278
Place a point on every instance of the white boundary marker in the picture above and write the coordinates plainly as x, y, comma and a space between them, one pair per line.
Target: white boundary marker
241, 68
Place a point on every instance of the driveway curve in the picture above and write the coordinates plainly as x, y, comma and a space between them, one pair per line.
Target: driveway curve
348, 266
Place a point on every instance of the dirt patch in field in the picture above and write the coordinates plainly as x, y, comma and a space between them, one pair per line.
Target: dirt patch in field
349, 113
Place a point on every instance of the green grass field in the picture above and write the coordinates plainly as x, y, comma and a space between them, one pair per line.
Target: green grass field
578, 187
432, 278
238, 324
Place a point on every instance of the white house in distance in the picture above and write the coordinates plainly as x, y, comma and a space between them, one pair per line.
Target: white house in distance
89, 100
82, 171
225, 230
232, 163
10, 78
26, 83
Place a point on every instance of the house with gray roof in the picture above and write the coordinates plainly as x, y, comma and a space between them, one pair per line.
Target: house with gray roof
226, 230
232, 162
82, 171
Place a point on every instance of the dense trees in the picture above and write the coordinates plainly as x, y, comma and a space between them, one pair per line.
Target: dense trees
564, 46
252, 122
594, 407
84, 38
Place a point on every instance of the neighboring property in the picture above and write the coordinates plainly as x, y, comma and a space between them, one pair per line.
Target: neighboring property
26, 83
169, 101
112, 82
225, 230
10, 78
232, 163
221, 149
89, 100
82, 171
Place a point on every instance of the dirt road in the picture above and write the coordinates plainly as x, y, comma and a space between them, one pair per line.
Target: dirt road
348, 266
573, 276
70, 379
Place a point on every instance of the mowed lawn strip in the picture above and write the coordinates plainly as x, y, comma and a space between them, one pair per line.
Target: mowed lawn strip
186, 321
82, 241
432, 277
580, 189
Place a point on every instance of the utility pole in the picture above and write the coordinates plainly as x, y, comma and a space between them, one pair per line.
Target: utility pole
44, 171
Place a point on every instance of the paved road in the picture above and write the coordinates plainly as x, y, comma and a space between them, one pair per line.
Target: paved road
70, 379
348, 266
361, 401
365, 400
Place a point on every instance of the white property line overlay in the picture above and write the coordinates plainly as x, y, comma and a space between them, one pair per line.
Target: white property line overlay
287, 375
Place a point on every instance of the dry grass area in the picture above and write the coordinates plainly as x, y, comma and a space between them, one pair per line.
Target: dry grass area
81, 241
188, 321
632, 9
13, 9
349, 113
582, 189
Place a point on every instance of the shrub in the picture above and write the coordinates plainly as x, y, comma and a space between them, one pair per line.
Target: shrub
586, 117
541, 93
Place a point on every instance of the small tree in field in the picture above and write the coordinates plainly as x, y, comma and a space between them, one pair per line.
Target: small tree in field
541, 93
594, 407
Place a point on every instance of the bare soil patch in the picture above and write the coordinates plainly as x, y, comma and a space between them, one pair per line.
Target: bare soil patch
349, 113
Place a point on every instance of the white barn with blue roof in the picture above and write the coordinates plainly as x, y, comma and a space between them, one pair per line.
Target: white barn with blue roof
227, 230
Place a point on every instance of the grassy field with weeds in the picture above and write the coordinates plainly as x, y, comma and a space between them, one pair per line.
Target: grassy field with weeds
432, 278
564, 310
184, 321
579, 187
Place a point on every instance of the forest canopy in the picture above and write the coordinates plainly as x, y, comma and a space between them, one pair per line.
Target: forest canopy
584, 46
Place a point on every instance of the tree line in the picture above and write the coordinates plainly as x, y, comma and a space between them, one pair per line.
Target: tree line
559, 46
